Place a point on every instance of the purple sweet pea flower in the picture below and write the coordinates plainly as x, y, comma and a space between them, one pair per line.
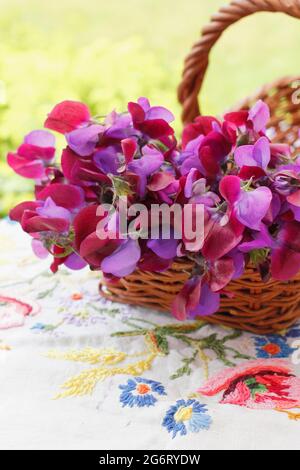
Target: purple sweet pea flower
196, 190
38, 249
50, 210
209, 302
84, 139
123, 260
149, 163
258, 154
155, 112
249, 207
75, 262
165, 249
107, 160
189, 158
261, 239
153, 121
284, 250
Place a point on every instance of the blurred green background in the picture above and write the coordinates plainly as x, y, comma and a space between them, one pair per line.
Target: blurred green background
106, 53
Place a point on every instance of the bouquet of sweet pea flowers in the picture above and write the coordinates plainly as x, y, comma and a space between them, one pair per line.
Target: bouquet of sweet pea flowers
248, 190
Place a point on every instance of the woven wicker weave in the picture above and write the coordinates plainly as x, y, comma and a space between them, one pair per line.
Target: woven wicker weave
256, 306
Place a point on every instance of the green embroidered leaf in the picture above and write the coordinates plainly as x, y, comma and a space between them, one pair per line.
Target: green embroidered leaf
161, 343
255, 387
185, 369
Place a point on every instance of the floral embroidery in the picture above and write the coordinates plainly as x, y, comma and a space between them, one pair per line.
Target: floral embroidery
294, 332
186, 416
157, 345
272, 346
140, 392
4, 346
13, 312
86, 381
260, 384
159, 335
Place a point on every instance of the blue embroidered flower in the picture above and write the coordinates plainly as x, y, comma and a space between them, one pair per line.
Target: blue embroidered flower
140, 392
38, 326
186, 416
272, 346
294, 332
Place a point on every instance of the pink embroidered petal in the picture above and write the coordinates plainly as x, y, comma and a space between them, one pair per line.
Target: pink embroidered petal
223, 380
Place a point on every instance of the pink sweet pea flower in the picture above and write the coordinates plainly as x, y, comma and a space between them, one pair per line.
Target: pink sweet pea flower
145, 166
65, 195
87, 242
284, 249
41, 217
34, 155
248, 207
259, 115
257, 155
67, 116
187, 299
202, 125
256, 118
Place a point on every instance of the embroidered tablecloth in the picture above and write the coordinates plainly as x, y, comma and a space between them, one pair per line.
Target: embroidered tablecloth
79, 372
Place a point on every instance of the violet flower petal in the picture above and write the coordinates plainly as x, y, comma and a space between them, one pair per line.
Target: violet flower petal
123, 261
209, 303
252, 206
83, 140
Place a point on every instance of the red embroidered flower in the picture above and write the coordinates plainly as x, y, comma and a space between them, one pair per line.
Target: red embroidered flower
260, 384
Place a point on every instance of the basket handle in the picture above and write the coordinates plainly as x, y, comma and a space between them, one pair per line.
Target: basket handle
196, 62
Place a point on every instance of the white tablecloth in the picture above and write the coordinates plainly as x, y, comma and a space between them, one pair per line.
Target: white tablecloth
77, 372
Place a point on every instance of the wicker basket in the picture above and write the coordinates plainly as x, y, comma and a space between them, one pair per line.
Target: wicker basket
256, 306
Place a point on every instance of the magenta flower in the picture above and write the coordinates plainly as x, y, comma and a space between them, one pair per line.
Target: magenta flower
87, 242
255, 119
202, 125
284, 249
165, 185
41, 217
259, 115
145, 166
247, 188
209, 303
34, 155
67, 116
258, 154
65, 195
206, 154
249, 207
152, 121
187, 299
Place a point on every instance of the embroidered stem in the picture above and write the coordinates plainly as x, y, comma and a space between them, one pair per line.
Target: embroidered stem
291, 415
